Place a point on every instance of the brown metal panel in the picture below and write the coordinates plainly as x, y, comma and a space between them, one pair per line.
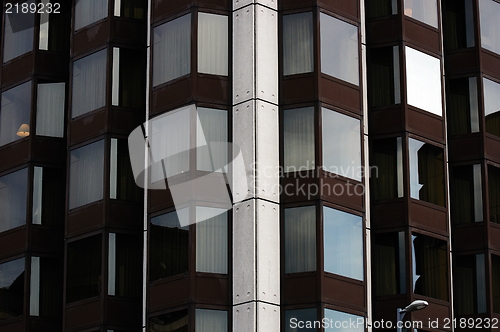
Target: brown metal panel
212, 289
16, 325
340, 94
428, 216
85, 220
437, 310
465, 61
465, 147
490, 63
158, 200
425, 124
44, 324
386, 120
165, 8
126, 215
13, 242
45, 239
50, 150
492, 148
124, 121
494, 236
215, 4
168, 293
49, 64
124, 312
213, 89
388, 214
132, 32
172, 96
14, 154
344, 293
83, 315
383, 31
296, 189
90, 38
421, 35
343, 191
297, 89
300, 289
293, 4
17, 69
347, 8
468, 237
87, 127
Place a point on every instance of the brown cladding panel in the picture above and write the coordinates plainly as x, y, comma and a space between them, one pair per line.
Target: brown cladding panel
425, 216
212, 290
386, 120
90, 38
124, 121
344, 293
301, 289
292, 4
44, 239
16, 325
132, 32
492, 148
88, 126
420, 35
385, 309
81, 316
425, 124
214, 90
15, 154
490, 63
437, 311
494, 238
341, 95
37, 324
171, 96
342, 191
298, 89
125, 312
384, 31
168, 294
461, 62
50, 150
388, 214
347, 8
465, 147
164, 8
17, 69
13, 242
468, 237
85, 220
159, 199
55, 65
126, 215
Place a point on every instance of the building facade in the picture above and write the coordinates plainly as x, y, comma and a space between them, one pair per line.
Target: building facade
370, 136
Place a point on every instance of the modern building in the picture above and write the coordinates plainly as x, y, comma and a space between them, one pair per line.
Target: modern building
370, 134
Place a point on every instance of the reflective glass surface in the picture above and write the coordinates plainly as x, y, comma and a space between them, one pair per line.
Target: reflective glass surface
15, 113
295, 320
11, 289
348, 322
300, 239
298, 139
489, 13
492, 106
13, 197
422, 10
18, 35
298, 43
89, 11
213, 40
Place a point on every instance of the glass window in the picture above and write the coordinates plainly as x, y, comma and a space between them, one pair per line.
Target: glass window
356, 323
495, 271
125, 265
128, 83
168, 251
211, 320
343, 243
89, 83
18, 35
380, 8
389, 264
174, 321
50, 109
339, 49
89, 11
211, 127
298, 139
385, 81
489, 13
300, 239
298, 54
86, 174
426, 172
130, 8
387, 168
341, 144
462, 106
469, 282
430, 267
466, 192
12, 289
172, 50
13, 196
494, 193
458, 24
48, 196
122, 183
84, 271
53, 35
45, 287
423, 80
492, 106
422, 10
211, 240
15, 113
293, 317
213, 40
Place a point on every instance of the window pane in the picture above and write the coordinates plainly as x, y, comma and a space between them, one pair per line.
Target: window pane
384, 70
89, 83
54, 28
13, 195
86, 175
172, 50
125, 265
469, 285
423, 79
84, 275
211, 320
341, 144
389, 264
130, 8
462, 106
174, 321
48, 196
494, 193
45, 287
387, 168
128, 78
15, 113
122, 183
426, 172
492, 106
380, 8
18, 35
495, 262
292, 317
211, 128
300, 239
458, 24
298, 43
489, 13
12, 288
355, 323
168, 251
466, 194
89, 11
339, 49
422, 10
50, 110
343, 241
430, 267
211, 240
298, 139
212, 44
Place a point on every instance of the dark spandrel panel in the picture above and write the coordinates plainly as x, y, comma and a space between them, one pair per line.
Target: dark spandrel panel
84, 272
11, 289
19, 30
13, 198
15, 114
380, 8
494, 193
173, 322
293, 317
